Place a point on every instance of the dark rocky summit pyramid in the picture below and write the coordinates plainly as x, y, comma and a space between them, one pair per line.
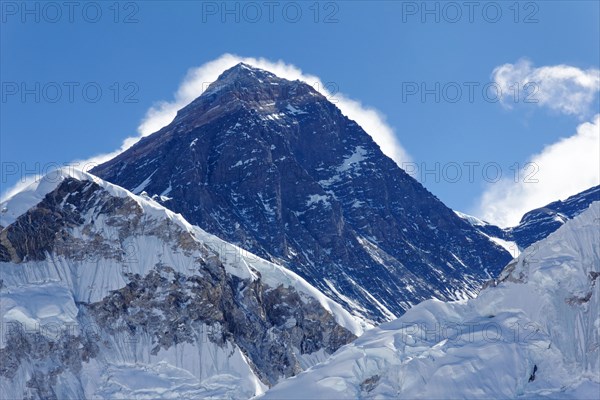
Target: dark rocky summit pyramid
274, 167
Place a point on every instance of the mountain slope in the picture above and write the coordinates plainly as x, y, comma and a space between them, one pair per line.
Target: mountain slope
534, 335
274, 167
109, 294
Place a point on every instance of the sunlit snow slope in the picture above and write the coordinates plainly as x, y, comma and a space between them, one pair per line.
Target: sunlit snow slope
535, 334
105, 294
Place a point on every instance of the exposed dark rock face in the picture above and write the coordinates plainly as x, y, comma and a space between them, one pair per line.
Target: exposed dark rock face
67, 351
273, 166
266, 323
45, 228
46, 357
370, 383
593, 276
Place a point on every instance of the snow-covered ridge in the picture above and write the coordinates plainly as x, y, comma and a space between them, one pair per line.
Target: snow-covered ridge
138, 303
535, 334
493, 233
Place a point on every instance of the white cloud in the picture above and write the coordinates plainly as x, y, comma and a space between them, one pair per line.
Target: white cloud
198, 79
564, 168
562, 88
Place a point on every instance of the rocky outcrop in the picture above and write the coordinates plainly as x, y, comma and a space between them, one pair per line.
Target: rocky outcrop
46, 358
46, 227
272, 326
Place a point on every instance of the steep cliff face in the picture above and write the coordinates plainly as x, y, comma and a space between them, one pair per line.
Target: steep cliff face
103, 290
274, 167
534, 334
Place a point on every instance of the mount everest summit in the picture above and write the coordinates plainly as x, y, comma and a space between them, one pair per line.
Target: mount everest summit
274, 167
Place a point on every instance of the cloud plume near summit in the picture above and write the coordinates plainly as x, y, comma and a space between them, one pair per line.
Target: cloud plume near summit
198, 79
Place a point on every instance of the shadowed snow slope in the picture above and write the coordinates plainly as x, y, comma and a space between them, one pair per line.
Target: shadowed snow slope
533, 334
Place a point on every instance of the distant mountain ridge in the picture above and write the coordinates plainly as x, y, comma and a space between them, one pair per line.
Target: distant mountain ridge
537, 224
274, 167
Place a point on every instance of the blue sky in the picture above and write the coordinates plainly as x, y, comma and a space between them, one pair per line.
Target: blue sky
138, 53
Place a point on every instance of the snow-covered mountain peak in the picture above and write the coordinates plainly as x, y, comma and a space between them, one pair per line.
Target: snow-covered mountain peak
133, 292
21, 202
251, 266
